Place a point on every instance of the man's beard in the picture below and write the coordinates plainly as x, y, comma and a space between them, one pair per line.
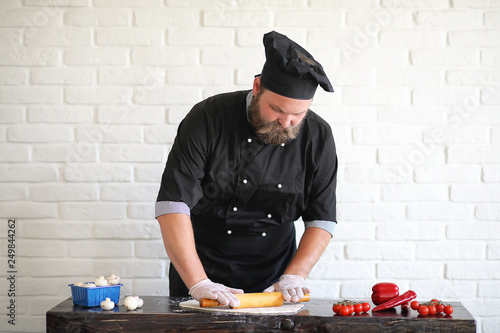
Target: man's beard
273, 132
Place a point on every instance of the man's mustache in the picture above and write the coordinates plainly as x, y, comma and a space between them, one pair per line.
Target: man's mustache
275, 126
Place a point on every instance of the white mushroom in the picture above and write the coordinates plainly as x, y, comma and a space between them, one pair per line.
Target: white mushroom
130, 303
140, 301
101, 281
107, 304
79, 284
89, 285
113, 279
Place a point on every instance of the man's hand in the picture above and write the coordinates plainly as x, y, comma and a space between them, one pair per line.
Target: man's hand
211, 290
291, 286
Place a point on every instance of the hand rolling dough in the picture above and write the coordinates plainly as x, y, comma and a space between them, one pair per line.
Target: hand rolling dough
285, 308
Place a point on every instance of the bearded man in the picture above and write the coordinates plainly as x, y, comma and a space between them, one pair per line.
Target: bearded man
243, 168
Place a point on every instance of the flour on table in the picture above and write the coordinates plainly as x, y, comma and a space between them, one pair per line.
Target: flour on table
285, 308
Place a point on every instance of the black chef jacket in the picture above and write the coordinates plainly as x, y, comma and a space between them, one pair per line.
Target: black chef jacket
244, 195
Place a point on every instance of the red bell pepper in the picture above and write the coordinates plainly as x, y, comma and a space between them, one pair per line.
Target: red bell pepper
406, 297
384, 291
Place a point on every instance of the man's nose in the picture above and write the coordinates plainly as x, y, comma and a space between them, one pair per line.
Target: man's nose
285, 121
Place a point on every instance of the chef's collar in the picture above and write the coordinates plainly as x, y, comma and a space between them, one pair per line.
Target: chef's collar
290, 70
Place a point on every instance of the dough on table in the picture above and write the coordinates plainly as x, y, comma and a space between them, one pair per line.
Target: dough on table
285, 308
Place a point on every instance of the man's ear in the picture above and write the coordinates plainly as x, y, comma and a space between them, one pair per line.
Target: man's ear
256, 85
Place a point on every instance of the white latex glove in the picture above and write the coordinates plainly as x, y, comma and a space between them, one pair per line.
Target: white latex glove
291, 286
209, 289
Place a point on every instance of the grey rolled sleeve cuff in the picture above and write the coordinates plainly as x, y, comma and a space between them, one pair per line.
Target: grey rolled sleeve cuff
325, 225
171, 207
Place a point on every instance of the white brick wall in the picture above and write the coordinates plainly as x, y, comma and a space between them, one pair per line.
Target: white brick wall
92, 91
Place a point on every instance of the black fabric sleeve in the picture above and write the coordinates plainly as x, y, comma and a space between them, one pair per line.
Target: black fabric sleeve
184, 170
322, 198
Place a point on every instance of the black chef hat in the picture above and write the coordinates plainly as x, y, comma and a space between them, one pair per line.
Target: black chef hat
290, 70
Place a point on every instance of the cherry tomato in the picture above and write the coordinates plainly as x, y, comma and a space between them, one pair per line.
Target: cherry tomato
448, 309
435, 300
336, 308
358, 307
344, 310
423, 310
366, 307
439, 307
414, 305
432, 309
351, 308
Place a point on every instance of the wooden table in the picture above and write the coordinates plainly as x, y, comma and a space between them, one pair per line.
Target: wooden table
163, 314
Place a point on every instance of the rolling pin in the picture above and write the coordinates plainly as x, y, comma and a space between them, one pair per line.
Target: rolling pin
253, 300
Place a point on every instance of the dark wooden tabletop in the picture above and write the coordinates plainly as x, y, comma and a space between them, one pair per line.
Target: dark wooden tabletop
163, 314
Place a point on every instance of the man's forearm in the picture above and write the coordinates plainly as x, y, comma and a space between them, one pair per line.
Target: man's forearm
312, 245
178, 238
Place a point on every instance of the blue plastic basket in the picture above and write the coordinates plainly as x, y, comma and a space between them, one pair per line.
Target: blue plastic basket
89, 297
